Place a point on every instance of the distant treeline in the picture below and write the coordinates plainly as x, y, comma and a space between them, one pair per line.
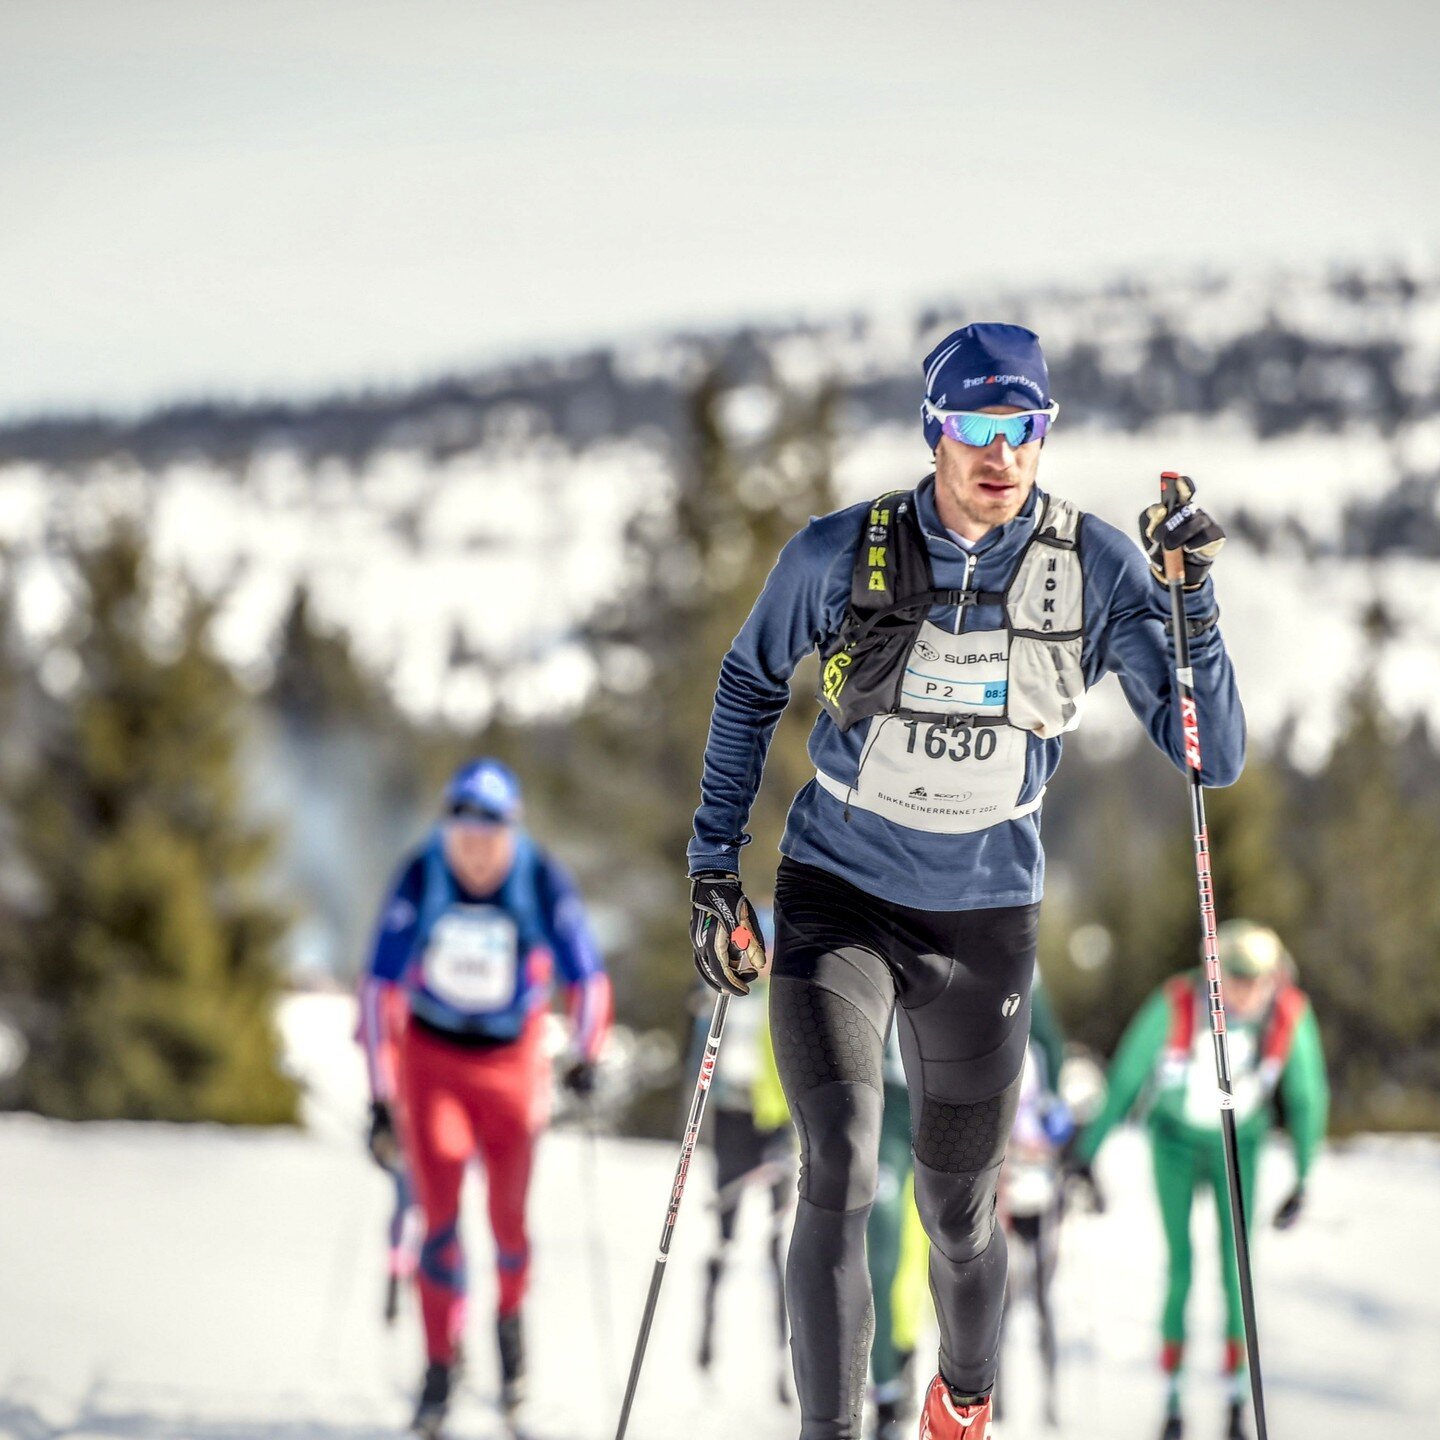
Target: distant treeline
1302, 352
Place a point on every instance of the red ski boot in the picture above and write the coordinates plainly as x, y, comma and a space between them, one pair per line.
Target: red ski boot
946, 1418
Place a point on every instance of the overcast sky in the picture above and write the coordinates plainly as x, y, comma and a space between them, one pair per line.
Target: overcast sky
279, 196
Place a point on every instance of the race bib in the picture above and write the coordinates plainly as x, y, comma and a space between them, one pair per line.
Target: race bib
928, 775
472, 961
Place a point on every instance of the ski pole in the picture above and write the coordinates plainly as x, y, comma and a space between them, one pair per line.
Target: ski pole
1190, 727
682, 1169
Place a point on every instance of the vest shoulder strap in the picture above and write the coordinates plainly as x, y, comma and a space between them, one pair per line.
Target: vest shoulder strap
437, 891
1286, 1010
1059, 525
1184, 997
1045, 599
892, 562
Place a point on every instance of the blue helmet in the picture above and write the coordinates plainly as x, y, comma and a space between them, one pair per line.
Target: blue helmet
484, 788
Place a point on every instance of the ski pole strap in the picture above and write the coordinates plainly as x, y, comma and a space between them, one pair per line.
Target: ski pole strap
1195, 628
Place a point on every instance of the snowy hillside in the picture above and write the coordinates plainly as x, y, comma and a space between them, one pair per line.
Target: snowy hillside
200, 1284
459, 533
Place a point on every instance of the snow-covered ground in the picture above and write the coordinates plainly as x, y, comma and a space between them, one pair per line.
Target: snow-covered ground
202, 1284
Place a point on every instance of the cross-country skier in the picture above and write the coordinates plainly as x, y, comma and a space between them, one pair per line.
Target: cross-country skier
959, 624
477, 923
1165, 1061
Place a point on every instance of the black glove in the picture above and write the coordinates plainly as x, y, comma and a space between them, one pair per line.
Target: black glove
1184, 527
579, 1078
1289, 1211
383, 1142
723, 933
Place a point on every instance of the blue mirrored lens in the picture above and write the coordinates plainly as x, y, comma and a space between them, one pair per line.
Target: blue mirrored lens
981, 430
977, 430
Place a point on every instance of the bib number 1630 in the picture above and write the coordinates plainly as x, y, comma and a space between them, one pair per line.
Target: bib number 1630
938, 741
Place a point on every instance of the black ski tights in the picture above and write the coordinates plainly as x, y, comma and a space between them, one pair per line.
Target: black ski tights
958, 983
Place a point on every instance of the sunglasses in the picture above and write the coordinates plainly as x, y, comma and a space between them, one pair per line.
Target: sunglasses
973, 427
475, 819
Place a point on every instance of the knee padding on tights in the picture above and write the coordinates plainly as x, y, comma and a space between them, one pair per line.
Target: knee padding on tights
958, 1150
820, 1035
958, 1138
442, 1261
839, 1127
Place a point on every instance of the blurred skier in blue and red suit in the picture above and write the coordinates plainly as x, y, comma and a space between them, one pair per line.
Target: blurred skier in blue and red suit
478, 926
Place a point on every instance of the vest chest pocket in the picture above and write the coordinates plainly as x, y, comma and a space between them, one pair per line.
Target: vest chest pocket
473, 958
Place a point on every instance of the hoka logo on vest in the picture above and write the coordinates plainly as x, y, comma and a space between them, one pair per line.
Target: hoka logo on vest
879, 533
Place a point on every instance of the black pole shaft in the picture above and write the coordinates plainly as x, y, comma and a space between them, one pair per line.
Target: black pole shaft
682, 1169
1190, 729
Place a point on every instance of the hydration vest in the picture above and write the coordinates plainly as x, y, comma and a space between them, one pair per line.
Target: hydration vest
1188, 1001
476, 976
884, 660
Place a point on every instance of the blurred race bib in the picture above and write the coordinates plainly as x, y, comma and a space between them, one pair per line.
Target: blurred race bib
472, 961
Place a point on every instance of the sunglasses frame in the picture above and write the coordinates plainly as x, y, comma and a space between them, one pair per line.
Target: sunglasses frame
941, 416
471, 818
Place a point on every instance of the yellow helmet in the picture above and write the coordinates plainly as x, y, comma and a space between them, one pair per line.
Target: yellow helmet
1250, 951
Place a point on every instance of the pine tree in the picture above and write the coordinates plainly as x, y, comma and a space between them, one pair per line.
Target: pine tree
627, 771
357, 779
317, 680
1368, 945
1251, 828
1127, 852
145, 974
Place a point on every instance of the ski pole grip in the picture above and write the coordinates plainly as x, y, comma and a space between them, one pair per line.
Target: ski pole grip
1174, 560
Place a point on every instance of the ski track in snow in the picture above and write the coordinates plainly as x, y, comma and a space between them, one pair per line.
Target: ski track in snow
194, 1283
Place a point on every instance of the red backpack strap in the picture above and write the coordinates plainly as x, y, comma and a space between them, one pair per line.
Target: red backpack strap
1184, 1004
1286, 1009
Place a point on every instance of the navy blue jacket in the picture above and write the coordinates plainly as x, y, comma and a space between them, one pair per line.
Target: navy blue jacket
803, 605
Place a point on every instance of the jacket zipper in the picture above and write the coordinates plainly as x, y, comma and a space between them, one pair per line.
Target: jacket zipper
969, 570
